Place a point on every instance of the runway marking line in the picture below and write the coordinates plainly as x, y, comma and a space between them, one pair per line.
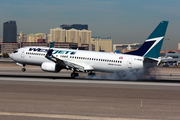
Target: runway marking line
90, 81
63, 116
18, 68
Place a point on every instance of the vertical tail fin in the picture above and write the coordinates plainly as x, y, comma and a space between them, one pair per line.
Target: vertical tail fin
152, 46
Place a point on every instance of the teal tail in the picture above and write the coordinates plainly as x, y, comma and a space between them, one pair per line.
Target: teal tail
152, 46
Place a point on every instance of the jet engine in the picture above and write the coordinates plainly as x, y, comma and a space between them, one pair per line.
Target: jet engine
50, 67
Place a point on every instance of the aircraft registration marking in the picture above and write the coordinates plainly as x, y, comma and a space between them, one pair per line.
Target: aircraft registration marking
114, 64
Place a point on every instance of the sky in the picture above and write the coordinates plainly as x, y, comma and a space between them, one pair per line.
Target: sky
125, 21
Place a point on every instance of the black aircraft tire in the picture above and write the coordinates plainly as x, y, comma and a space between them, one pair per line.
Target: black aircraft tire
73, 75
91, 74
23, 69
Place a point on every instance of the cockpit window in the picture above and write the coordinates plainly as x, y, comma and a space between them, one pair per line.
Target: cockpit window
15, 51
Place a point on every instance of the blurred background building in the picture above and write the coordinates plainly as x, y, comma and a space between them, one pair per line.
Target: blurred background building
8, 47
75, 26
75, 36
102, 44
9, 32
57, 35
36, 37
21, 37
85, 36
126, 47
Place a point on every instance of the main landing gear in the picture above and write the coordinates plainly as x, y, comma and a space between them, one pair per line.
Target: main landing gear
91, 74
23, 69
73, 75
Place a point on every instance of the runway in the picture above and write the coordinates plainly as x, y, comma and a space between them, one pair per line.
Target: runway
40, 95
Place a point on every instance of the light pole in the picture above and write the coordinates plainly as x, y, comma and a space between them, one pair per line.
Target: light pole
2, 52
167, 43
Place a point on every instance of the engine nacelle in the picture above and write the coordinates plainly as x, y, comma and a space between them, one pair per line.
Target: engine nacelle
50, 67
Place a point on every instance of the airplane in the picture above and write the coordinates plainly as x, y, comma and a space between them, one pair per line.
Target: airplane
169, 61
55, 59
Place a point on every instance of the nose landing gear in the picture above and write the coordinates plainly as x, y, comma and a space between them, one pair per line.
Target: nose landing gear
23, 69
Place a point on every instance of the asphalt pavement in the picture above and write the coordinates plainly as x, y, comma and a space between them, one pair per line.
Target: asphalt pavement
48, 96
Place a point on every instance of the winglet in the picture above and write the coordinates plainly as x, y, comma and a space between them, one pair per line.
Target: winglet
49, 52
52, 45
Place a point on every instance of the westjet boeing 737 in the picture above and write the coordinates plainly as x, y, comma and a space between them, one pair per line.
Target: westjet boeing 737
55, 59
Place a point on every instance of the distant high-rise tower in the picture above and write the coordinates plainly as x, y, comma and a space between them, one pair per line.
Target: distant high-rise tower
75, 26
9, 32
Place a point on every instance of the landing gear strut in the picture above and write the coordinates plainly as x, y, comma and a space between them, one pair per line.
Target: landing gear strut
23, 69
91, 74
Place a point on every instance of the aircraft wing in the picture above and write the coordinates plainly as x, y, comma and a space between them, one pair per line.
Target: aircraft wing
66, 63
72, 65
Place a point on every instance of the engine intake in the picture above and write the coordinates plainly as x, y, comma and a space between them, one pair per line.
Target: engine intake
50, 67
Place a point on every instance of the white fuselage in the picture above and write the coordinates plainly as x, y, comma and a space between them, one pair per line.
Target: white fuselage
102, 61
90, 60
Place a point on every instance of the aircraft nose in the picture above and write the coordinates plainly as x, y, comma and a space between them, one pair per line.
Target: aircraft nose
11, 55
